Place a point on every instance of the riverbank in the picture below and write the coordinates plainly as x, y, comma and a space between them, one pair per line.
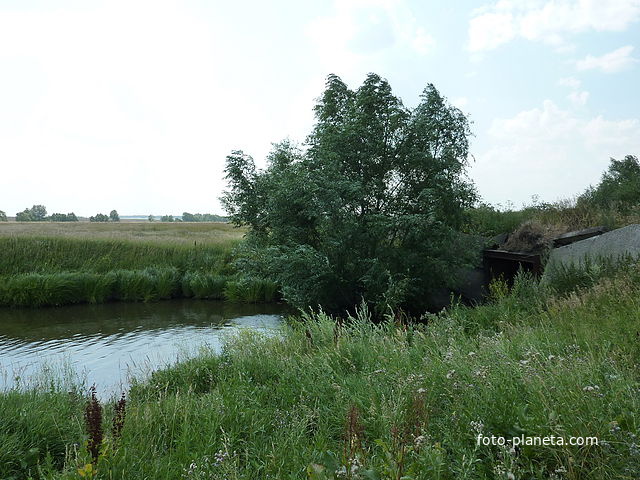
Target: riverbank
67, 264
394, 399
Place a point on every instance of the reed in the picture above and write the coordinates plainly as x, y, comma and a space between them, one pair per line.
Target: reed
20, 255
149, 284
251, 290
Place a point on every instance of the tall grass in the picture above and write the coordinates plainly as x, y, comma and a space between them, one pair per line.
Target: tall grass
47, 271
150, 284
390, 399
53, 255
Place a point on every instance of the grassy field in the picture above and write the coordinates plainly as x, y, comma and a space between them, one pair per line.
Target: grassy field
147, 232
48, 264
358, 400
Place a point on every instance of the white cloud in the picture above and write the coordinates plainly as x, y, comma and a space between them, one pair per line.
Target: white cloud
460, 102
570, 82
612, 62
548, 21
358, 29
422, 42
490, 30
578, 99
551, 152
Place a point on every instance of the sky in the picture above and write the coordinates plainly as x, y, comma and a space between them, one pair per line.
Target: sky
134, 105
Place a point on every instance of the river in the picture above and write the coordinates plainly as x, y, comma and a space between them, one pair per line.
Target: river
110, 344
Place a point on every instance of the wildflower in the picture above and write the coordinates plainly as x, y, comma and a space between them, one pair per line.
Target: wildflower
511, 476
422, 390
419, 440
481, 372
561, 470
614, 427
477, 426
93, 422
451, 373
524, 363
471, 354
220, 457
590, 388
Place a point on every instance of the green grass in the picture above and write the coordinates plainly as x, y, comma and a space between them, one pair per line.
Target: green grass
402, 399
56, 270
54, 255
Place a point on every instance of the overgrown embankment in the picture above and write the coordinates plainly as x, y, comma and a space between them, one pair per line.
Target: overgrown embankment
44, 271
391, 399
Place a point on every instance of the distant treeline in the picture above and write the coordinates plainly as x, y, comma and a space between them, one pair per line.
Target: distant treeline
202, 217
191, 217
38, 213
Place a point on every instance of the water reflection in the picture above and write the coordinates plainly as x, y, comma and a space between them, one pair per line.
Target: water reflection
107, 344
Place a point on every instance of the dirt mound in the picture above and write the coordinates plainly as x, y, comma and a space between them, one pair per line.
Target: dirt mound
533, 237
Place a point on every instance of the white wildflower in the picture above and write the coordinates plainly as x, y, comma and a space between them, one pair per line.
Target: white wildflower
477, 426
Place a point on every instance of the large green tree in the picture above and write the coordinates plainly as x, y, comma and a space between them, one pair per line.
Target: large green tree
370, 210
37, 213
619, 187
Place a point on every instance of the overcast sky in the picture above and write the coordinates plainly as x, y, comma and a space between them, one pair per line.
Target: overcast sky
134, 105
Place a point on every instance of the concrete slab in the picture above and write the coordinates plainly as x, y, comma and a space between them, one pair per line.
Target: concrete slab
615, 244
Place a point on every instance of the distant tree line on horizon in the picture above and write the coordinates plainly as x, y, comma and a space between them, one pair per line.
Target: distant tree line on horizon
190, 217
202, 217
38, 213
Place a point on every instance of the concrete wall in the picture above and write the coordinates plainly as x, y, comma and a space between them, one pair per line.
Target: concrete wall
615, 244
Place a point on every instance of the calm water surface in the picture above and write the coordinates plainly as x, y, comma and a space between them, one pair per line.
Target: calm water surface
111, 343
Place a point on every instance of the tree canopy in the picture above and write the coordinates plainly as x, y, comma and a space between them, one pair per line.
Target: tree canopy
61, 217
369, 210
99, 217
37, 213
619, 187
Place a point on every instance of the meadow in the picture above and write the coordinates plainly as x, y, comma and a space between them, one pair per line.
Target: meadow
355, 399
155, 233
49, 264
